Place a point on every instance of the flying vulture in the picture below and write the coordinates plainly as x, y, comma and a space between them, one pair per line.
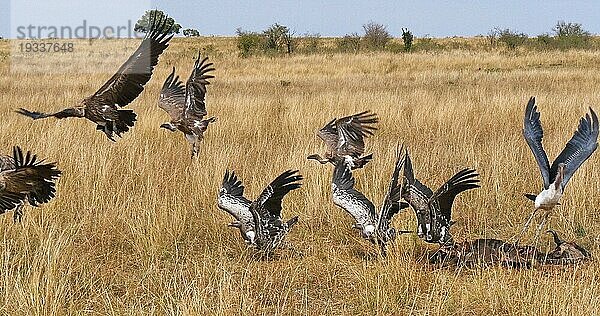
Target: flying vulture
186, 104
103, 107
344, 138
25, 179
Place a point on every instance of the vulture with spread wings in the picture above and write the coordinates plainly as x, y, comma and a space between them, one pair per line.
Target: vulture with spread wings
103, 107
186, 104
269, 227
433, 209
231, 199
344, 138
25, 179
556, 176
372, 226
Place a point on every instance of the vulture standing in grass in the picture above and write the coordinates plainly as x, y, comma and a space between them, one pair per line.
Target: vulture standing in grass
260, 221
25, 179
186, 104
344, 138
556, 176
121, 89
231, 199
372, 226
433, 210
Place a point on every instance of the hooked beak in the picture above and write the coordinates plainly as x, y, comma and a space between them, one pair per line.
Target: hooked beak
168, 126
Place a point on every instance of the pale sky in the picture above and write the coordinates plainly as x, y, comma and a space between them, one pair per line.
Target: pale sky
328, 18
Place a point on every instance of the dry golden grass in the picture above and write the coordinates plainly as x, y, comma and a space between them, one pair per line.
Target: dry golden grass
134, 228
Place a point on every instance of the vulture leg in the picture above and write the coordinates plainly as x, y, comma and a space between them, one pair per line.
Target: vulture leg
195, 149
18, 213
383, 250
106, 130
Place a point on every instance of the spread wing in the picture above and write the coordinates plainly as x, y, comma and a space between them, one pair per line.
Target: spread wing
195, 89
391, 203
329, 135
581, 146
348, 198
352, 130
30, 179
268, 204
443, 198
6, 163
125, 85
266, 210
231, 198
172, 96
533, 133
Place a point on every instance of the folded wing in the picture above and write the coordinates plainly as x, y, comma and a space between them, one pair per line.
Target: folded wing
348, 198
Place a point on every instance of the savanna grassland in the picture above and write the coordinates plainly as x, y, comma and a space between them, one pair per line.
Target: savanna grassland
134, 228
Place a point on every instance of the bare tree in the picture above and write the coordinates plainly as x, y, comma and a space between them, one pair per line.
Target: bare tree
376, 36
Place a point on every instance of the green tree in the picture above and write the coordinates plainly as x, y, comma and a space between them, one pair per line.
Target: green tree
249, 42
407, 38
571, 35
279, 38
191, 33
311, 43
512, 39
143, 24
349, 43
565, 29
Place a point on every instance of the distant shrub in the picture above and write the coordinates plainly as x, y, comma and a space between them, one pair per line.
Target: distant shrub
279, 38
427, 44
275, 39
407, 38
566, 36
349, 43
209, 50
376, 36
571, 35
492, 37
544, 41
191, 33
249, 43
395, 47
311, 43
511, 39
